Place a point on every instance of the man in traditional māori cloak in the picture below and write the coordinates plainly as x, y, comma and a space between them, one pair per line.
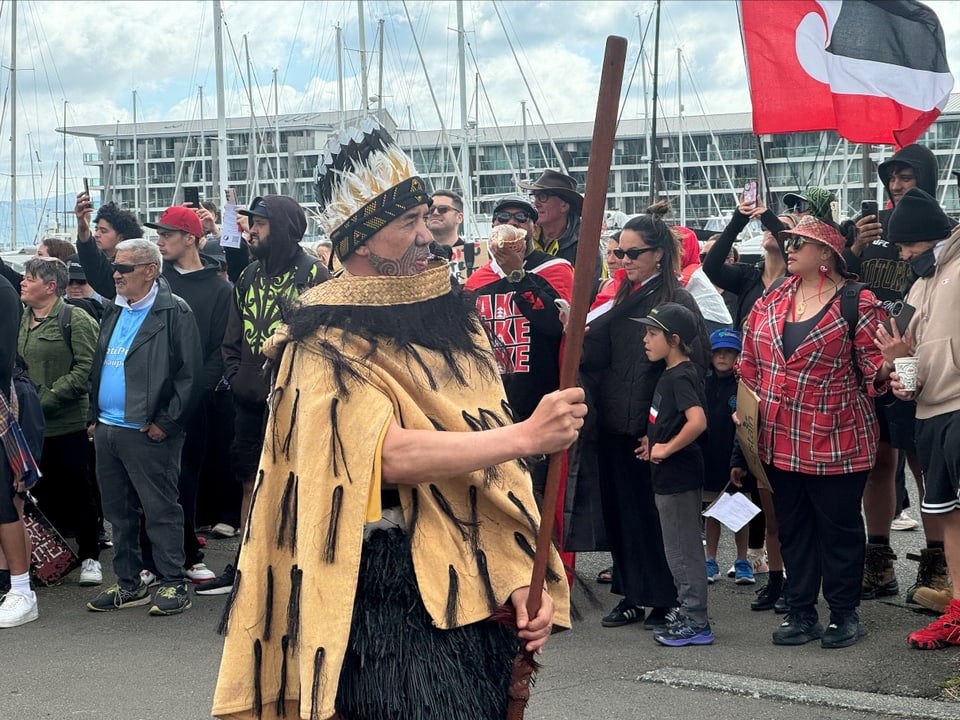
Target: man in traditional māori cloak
393, 512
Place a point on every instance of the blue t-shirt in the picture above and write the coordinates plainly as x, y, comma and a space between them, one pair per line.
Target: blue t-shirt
113, 381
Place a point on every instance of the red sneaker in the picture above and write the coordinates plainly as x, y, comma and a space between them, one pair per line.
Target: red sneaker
940, 633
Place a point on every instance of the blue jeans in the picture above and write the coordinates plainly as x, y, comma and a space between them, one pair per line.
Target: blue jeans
138, 475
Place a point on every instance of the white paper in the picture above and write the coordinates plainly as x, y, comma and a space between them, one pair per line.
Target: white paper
229, 232
734, 510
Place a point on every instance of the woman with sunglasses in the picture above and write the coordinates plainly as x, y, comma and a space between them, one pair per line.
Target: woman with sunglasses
817, 429
619, 381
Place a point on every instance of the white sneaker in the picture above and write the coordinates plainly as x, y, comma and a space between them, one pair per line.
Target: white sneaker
904, 522
200, 573
18, 609
148, 578
91, 573
224, 530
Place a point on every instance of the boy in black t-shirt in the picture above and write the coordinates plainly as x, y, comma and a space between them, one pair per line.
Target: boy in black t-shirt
676, 420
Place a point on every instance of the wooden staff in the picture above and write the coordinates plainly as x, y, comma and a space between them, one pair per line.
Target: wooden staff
594, 203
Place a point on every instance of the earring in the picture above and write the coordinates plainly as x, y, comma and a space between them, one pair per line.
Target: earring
824, 269
658, 265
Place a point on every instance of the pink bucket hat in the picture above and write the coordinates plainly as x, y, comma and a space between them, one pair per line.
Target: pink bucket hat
825, 234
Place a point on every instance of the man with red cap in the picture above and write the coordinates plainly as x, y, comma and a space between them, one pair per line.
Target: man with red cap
197, 280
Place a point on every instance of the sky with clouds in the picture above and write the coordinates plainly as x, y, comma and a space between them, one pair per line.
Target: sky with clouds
93, 55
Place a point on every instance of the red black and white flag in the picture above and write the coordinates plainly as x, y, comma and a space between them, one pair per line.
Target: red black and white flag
874, 71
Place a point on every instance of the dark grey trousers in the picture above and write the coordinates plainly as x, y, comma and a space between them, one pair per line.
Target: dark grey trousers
680, 525
135, 473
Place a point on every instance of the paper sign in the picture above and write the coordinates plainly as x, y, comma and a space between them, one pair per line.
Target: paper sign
229, 232
734, 510
748, 408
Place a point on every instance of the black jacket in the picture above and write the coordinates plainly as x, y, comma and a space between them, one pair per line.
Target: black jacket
745, 280
613, 352
209, 297
162, 367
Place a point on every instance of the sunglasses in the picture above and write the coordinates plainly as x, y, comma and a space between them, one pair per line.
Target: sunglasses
126, 269
795, 242
521, 216
542, 196
441, 209
632, 253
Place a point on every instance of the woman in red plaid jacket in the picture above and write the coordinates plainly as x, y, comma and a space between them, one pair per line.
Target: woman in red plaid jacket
817, 433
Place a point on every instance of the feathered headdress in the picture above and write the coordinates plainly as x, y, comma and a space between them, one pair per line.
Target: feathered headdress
364, 181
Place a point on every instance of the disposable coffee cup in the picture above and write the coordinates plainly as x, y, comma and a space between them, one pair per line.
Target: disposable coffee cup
906, 368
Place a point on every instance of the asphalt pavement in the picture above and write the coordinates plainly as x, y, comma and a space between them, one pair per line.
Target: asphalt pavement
126, 665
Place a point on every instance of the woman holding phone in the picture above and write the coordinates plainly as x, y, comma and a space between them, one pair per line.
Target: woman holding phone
817, 433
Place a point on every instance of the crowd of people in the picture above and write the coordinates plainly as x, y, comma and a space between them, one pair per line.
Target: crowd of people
409, 405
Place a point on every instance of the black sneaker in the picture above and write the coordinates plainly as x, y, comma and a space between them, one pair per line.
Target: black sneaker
842, 632
104, 540
170, 600
767, 597
221, 585
782, 607
4, 581
624, 613
116, 597
660, 618
798, 629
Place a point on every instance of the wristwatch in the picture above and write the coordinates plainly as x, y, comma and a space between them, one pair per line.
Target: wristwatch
515, 276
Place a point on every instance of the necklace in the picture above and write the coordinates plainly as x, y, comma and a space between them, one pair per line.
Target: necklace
37, 319
800, 307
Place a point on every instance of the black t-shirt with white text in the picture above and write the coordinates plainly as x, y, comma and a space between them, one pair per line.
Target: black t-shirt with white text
678, 389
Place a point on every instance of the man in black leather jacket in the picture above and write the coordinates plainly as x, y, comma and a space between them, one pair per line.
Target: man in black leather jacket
143, 388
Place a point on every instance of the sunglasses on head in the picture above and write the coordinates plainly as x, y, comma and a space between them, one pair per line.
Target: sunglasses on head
441, 209
126, 268
632, 253
521, 216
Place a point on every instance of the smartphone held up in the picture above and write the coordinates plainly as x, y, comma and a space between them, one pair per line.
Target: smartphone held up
750, 193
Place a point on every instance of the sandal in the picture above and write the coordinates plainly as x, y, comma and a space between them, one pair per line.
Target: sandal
605, 577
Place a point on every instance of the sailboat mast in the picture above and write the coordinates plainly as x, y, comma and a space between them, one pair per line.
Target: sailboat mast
365, 101
380, 73
252, 169
465, 181
653, 126
136, 161
526, 146
13, 127
57, 201
203, 147
683, 187
222, 177
276, 124
340, 76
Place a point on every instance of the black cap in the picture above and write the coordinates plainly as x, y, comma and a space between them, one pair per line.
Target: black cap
75, 269
673, 319
258, 208
213, 250
918, 217
517, 201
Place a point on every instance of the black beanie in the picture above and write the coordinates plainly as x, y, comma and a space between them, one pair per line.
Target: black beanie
918, 217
